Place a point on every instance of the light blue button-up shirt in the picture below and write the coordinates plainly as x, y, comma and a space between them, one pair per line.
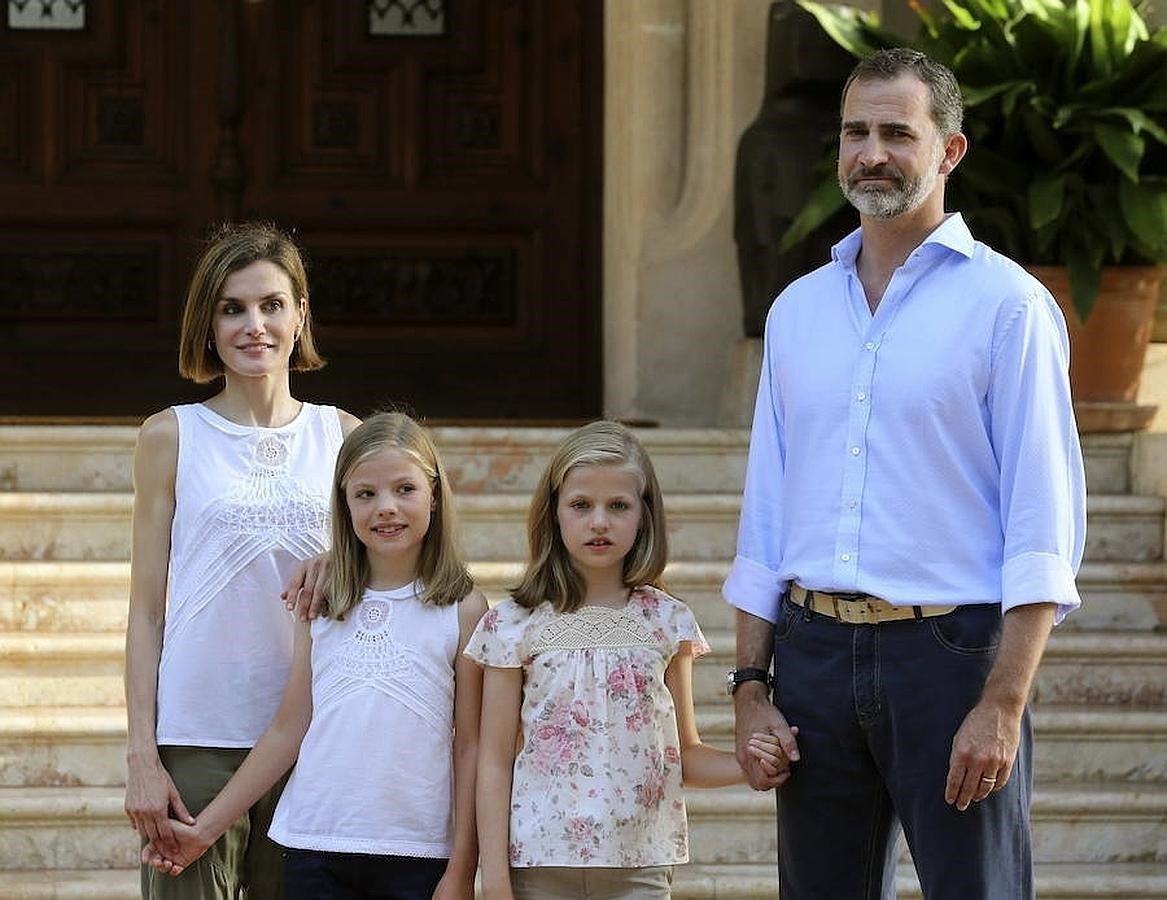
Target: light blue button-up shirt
926, 454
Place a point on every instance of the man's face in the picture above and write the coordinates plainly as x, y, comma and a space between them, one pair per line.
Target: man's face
890, 151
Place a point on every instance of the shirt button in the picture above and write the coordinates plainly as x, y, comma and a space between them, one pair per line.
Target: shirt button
870, 345
854, 451
851, 504
861, 396
846, 557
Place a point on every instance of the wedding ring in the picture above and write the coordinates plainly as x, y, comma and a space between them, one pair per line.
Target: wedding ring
987, 780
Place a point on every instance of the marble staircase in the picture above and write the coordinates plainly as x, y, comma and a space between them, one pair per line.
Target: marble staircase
1100, 703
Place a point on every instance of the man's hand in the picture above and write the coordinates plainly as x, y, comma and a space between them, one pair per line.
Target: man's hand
983, 752
307, 588
754, 714
151, 797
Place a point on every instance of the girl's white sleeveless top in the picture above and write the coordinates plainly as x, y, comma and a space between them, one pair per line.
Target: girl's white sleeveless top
250, 502
375, 770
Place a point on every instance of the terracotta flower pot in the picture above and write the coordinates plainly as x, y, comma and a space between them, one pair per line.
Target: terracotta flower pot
1108, 351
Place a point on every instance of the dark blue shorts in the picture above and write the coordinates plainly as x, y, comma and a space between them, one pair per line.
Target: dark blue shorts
320, 875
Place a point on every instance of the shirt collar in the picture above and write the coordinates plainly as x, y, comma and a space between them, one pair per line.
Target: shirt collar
952, 233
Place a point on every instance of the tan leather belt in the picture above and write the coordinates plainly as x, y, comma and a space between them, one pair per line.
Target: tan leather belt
860, 609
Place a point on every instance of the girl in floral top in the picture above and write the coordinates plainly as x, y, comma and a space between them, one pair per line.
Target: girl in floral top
591, 663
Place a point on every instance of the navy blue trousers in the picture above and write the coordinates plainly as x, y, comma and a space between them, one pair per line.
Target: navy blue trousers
317, 875
877, 707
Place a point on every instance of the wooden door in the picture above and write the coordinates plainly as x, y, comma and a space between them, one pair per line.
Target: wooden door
444, 180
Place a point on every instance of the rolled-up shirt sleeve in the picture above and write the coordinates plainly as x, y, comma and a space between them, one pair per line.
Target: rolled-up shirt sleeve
1035, 437
753, 584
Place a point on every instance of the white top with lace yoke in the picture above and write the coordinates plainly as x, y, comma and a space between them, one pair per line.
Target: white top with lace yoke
376, 767
597, 781
250, 502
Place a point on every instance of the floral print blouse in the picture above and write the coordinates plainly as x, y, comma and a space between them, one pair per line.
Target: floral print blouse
597, 781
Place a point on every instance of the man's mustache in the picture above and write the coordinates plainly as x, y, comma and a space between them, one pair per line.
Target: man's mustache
881, 171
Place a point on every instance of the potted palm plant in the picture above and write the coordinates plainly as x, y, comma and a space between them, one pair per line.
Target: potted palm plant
1066, 113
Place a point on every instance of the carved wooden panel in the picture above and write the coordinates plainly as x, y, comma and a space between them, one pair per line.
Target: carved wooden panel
17, 122
444, 185
415, 286
78, 282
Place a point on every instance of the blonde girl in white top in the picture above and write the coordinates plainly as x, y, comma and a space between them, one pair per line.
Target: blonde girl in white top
228, 496
381, 708
590, 663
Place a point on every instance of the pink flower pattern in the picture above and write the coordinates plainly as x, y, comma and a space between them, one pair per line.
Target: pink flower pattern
598, 779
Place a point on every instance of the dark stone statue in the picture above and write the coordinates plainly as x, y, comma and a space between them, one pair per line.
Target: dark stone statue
777, 155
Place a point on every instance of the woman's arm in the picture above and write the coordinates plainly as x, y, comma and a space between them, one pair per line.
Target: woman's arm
502, 697
702, 765
458, 882
271, 757
150, 793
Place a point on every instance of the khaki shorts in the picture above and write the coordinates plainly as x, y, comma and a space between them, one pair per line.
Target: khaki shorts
244, 862
592, 883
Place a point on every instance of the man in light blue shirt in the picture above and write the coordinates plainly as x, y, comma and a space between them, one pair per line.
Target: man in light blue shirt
912, 523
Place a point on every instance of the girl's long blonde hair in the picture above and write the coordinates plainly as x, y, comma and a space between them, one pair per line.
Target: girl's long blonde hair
440, 566
550, 574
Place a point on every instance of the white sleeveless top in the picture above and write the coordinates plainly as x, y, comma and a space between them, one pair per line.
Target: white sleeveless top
250, 502
375, 771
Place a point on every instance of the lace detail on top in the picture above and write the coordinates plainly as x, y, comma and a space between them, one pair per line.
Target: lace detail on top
372, 650
249, 502
377, 653
595, 626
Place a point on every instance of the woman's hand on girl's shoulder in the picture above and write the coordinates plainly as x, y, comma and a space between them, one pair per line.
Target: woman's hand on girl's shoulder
307, 587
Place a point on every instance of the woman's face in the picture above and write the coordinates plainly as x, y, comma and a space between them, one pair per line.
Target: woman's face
257, 320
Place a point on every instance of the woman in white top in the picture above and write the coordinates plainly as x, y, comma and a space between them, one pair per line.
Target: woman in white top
229, 495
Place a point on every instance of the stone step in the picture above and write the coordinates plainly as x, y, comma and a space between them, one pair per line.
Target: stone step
96, 526
64, 596
65, 828
480, 460
86, 827
70, 884
85, 669
1072, 823
46, 746
1055, 881
1074, 744
1116, 668
48, 669
78, 596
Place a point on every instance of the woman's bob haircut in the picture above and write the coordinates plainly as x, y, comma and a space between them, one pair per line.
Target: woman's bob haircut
233, 247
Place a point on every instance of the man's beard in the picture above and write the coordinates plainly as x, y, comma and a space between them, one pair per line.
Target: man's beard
879, 202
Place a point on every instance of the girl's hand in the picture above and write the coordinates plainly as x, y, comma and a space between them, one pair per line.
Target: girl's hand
455, 886
766, 748
307, 588
190, 846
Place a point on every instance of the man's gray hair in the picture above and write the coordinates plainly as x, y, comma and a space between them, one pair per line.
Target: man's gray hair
885, 65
